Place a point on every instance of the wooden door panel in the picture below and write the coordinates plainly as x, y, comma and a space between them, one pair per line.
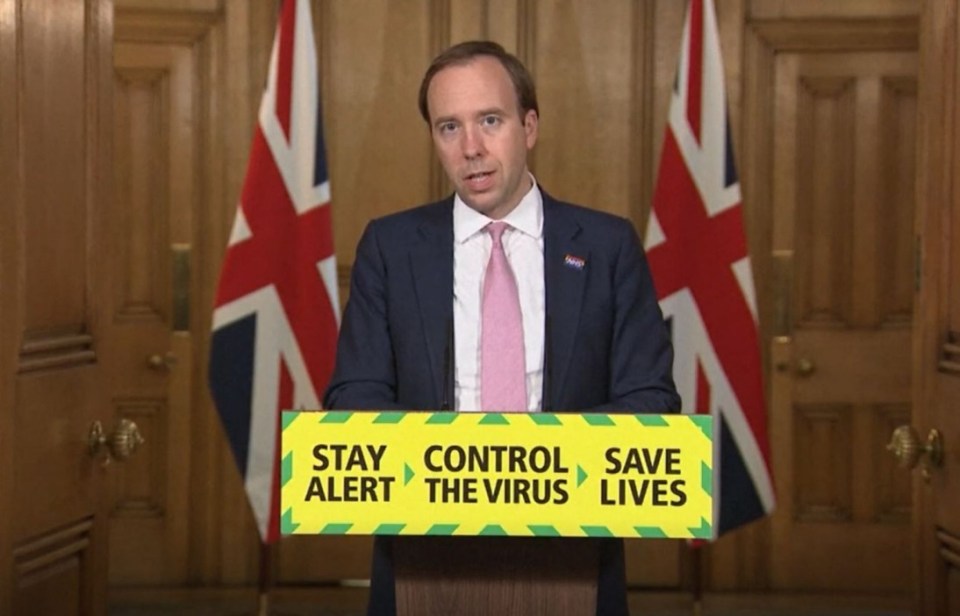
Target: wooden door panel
56, 481
947, 420
56, 144
182, 123
936, 352
52, 125
862, 366
155, 183
842, 193
947, 583
55, 574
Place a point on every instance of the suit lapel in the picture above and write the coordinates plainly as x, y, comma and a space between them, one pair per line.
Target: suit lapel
565, 262
431, 263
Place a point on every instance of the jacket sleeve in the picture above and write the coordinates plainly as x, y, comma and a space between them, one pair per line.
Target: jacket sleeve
641, 354
365, 377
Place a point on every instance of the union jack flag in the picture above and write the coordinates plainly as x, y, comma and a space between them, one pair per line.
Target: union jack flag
276, 313
698, 256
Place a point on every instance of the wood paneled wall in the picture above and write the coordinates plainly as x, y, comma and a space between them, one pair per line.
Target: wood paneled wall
55, 155
604, 72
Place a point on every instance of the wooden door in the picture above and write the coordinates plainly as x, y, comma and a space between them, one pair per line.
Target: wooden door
841, 234
937, 344
155, 181
54, 170
181, 124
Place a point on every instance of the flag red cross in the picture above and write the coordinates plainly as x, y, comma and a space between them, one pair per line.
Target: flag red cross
283, 250
695, 70
719, 242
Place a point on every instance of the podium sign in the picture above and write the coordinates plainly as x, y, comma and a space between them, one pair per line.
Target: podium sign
521, 474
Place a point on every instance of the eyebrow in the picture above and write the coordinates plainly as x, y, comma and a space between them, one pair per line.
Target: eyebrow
479, 114
490, 111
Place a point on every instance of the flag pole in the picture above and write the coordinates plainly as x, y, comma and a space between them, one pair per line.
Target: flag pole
265, 578
696, 579
265, 574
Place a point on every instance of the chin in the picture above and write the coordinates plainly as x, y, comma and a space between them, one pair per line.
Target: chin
482, 205
486, 209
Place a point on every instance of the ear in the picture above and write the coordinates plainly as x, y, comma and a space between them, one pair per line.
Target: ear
531, 126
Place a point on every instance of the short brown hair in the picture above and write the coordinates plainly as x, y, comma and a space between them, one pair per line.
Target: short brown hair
463, 53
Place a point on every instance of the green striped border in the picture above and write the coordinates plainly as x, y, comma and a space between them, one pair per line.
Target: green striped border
597, 531
704, 531
390, 417
443, 418
544, 530
336, 528
702, 422
287, 525
598, 419
545, 419
336, 417
442, 529
389, 528
653, 421
492, 530
287, 418
286, 469
494, 419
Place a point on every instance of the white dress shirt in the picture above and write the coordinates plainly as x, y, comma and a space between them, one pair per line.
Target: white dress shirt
523, 245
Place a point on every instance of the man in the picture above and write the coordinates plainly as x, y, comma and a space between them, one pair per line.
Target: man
589, 334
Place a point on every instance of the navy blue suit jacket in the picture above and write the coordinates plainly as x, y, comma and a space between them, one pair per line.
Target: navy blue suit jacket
607, 348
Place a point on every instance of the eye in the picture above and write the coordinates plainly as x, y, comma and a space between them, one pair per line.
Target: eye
447, 128
489, 121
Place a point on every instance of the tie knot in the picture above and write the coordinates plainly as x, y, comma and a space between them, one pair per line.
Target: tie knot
496, 229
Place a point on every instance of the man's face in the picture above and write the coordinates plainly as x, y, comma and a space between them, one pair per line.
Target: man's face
481, 140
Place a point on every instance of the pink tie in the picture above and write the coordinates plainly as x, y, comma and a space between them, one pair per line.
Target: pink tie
503, 379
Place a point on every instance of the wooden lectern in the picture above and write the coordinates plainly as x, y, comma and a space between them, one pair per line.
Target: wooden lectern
414, 478
495, 575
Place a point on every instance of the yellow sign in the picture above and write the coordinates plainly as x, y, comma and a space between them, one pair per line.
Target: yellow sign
532, 474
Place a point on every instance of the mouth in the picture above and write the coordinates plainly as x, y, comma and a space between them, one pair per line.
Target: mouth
479, 179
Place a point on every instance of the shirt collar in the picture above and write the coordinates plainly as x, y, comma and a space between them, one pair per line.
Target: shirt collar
527, 217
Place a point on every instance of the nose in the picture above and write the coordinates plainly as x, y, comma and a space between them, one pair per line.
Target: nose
472, 142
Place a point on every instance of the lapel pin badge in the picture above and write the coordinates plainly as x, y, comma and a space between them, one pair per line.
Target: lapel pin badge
574, 262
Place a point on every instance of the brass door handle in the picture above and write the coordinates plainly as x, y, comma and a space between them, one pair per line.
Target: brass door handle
162, 362
805, 367
119, 445
906, 447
